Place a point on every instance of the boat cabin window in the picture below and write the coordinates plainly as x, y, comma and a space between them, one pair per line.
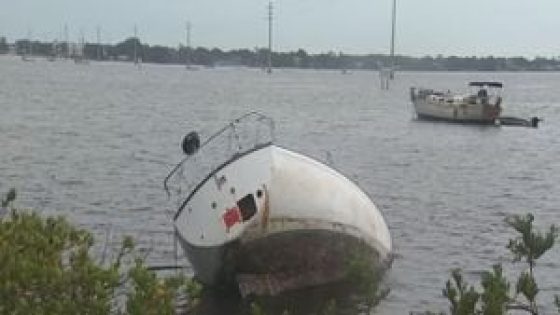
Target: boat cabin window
247, 207
485, 89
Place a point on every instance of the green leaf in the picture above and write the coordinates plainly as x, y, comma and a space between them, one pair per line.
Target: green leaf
527, 286
530, 245
462, 299
495, 294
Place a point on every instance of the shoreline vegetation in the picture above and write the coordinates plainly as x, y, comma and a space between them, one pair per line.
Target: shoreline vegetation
47, 268
132, 49
496, 294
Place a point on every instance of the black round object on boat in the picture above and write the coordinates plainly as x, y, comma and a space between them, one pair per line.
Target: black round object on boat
191, 143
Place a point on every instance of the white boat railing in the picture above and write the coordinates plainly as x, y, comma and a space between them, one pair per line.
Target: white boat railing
242, 135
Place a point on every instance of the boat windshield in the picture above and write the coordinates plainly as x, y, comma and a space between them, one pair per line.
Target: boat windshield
242, 135
484, 90
492, 84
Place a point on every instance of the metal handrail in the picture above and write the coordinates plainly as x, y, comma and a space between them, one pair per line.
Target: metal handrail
230, 125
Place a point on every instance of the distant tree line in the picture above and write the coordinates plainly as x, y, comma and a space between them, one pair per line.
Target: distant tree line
125, 51
4, 48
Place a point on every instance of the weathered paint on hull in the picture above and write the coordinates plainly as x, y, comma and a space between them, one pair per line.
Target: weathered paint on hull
291, 195
280, 262
297, 259
468, 113
461, 121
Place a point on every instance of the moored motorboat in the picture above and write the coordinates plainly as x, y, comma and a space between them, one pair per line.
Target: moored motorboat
483, 106
263, 216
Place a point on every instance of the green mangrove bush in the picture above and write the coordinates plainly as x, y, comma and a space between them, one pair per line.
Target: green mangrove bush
496, 294
46, 268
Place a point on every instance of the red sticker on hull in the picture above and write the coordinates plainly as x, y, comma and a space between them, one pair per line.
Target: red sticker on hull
232, 217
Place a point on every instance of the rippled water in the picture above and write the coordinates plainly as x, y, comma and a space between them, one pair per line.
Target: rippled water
94, 142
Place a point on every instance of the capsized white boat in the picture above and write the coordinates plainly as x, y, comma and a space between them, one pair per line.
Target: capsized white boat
268, 219
482, 106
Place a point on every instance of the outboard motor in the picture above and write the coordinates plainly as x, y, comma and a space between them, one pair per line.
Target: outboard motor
191, 143
535, 122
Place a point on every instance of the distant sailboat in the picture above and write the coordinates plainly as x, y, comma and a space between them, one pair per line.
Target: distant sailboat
99, 48
188, 52
137, 60
342, 64
54, 51
67, 52
79, 54
28, 51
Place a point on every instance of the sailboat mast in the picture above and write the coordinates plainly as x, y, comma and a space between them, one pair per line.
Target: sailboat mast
67, 41
98, 43
29, 44
394, 24
188, 52
270, 18
135, 58
188, 34
81, 49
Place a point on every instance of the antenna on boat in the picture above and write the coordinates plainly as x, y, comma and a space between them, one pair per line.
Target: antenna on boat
270, 19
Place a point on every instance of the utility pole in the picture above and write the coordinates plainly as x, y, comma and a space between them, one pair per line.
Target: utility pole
29, 43
393, 28
98, 43
136, 40
66, 40
188, 50
270, 19
81, 48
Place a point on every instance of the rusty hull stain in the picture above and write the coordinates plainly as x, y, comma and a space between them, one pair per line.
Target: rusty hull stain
265, 210
293, 260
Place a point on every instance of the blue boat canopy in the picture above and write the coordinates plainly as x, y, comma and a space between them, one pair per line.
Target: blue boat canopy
488, 84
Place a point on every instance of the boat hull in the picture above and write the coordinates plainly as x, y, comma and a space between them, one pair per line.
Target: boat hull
281, 262
455, 108
277, 213
464, 113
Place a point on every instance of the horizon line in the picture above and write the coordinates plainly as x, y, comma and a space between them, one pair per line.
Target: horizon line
289, 50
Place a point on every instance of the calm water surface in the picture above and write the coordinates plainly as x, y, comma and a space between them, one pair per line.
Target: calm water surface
94, 142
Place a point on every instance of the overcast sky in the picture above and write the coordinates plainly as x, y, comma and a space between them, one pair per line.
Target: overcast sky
425, 27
